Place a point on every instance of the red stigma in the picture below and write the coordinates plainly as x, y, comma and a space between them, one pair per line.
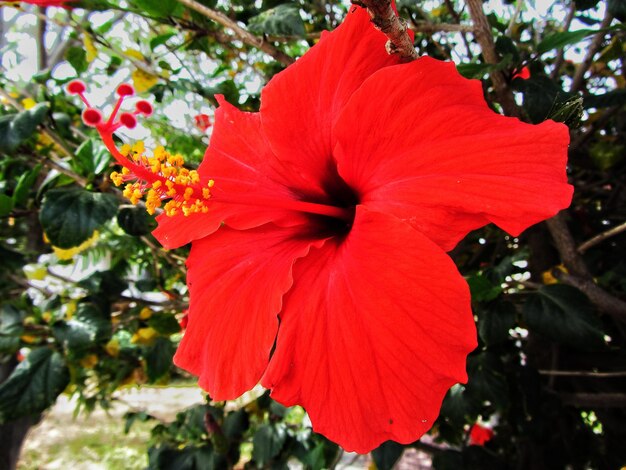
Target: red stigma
128, 120
144, 107
125, 90
76, 87
92, 117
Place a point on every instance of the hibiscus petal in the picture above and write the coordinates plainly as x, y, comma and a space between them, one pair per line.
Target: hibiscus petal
430, 151
241, 163
373, 333
236, 281
299, 105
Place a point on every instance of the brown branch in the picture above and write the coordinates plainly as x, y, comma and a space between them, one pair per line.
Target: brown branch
594, 47
242, 33
423, 27
601, 237
386, 20
599, 400
484, 37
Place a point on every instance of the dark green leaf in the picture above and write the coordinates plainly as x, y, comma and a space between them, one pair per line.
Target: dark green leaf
283, 20
387, 454
160, 39
542, 96
159, 9
481, 289
16, 128
6, 205
77, 57
88, 327
10, 329
612, 98
34, 385
69, 216
569, 112
188, 458
564, 314
563, 38
495, 321
480, 70
235, 424
268, 441
135, 221
164, 323
617, 8
486, 379
448, 460
159, 359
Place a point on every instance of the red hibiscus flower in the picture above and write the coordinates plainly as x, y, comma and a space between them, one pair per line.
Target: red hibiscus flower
523, 74
320, 225
479, 435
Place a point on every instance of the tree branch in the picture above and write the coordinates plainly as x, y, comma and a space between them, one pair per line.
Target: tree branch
484, 37
386, 20
242, 33
601, 237
594, 400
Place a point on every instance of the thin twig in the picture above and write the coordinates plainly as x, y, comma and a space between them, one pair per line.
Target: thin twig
386, 20
518, 9
242, 33
582, 373
601, 237
560, 56
595, 400
594, 47
423, 27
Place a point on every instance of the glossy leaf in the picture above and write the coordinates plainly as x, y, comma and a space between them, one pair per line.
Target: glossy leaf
283, 20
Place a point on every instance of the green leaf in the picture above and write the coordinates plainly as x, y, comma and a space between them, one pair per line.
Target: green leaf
6, 205
189, 458
16, 128
495, 321
612, 98
164, 323
617, 8
34, 385
486, 379
160, 39
283, 20
159, 9
235, 424
387, 454
91, 158
77, 57
564, 314
88, 327
10, 329
159, 359
26, 181
569, 112
562, 39
135, 221
69, 216
542, 96
267, 443
480, 70
482, 289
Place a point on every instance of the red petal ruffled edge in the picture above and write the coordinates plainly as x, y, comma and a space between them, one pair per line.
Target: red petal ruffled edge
300, 104
240, 162
236, 281
430, 151
374, 331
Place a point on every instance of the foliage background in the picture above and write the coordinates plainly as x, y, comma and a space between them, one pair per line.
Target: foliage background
549, 374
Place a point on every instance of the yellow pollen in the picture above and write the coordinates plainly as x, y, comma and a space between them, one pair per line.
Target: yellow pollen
188, 193
125, 150
211, 183
116, 178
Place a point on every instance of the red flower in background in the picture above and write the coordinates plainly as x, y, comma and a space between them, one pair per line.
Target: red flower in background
318, 265
479, 435
524, 73
45, 3
202, 122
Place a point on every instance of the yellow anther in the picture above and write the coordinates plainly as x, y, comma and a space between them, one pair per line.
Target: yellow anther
188, 193
139, 147
125, 150
206, 193
194, 176
157, 184
116, 178
125, 171
211, 183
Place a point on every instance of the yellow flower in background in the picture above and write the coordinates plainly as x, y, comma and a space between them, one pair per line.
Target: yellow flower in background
144, 335
90, 48
70, 309
145, 313
89, 362
28, 103
143, 81
548, 278
112, 347
65, 254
